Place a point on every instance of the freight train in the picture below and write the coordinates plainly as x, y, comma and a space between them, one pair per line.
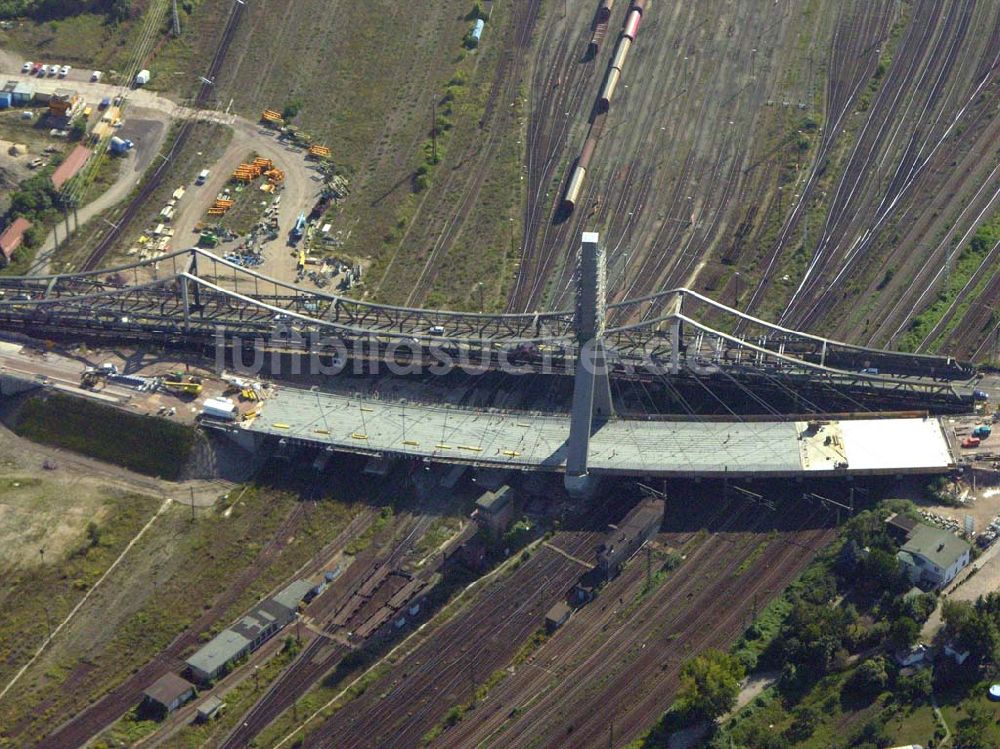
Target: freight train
628, 36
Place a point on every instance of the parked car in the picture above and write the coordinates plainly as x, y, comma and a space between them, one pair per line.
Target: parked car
36, 68
105, 103
27, 67
53, 70
96, 76
64, 70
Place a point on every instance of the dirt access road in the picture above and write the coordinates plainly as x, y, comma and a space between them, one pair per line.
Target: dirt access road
152, 114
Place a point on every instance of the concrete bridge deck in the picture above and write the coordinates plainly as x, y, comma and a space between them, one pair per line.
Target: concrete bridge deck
531, 441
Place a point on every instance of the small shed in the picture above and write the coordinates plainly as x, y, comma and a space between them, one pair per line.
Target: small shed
169, 692
557, 616
209, 709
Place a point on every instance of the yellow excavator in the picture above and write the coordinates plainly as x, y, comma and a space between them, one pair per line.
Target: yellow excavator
182, 384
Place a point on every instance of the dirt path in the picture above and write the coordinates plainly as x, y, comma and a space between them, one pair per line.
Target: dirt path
154, 114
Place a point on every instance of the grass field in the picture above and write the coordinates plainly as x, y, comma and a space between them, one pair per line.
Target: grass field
173, 574
108, 434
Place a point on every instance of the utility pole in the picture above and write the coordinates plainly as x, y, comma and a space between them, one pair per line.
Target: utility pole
649, 567
826, 500
482, 305
434, 130
192, 503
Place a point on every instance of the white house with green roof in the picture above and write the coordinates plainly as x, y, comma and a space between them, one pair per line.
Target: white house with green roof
933, 556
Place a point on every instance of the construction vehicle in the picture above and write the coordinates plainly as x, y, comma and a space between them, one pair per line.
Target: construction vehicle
970, 442
319, 152
182, 384
93, 379
208, 239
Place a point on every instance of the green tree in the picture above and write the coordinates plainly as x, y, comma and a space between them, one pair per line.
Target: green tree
93, 533
915, 688
903, 633
972, 729
710, 684
870, 678
805, 720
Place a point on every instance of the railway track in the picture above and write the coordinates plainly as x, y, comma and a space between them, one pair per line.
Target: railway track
87, 724
323, 653
633, 665
497, 120
399, 708
104, 245
859, 187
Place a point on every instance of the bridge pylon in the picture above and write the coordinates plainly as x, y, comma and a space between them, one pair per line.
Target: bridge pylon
592, 406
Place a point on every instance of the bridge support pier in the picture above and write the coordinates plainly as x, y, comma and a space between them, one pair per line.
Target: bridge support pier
592, 405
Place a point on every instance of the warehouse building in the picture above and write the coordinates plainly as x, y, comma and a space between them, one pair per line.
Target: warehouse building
933, 556
259, 625
168, 693
624, 540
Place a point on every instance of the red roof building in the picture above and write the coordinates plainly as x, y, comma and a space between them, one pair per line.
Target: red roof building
12, 238
70, 166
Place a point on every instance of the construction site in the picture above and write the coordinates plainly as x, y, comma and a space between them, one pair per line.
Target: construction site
605, 374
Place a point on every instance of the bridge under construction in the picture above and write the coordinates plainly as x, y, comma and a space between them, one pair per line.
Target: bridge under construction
195, 299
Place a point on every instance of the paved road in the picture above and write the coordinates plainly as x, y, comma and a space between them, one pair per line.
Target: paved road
152, 114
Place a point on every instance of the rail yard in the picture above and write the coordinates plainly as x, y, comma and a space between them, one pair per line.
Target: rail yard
477, 374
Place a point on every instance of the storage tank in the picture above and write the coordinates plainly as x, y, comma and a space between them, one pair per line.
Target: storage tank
624, 45
640, 5
604, 10
632, 24
118, 145
604, 102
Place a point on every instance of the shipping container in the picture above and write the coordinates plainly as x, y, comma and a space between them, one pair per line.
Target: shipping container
219, 408
5, 100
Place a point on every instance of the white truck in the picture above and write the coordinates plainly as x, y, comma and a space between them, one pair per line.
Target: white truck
142, 77
220, 409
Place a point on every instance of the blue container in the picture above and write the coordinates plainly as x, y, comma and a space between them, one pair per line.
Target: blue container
5, 100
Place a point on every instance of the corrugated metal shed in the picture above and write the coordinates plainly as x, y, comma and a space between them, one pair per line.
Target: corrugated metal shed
292, 595
23, 93
221, 649
12, 236
70, 166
